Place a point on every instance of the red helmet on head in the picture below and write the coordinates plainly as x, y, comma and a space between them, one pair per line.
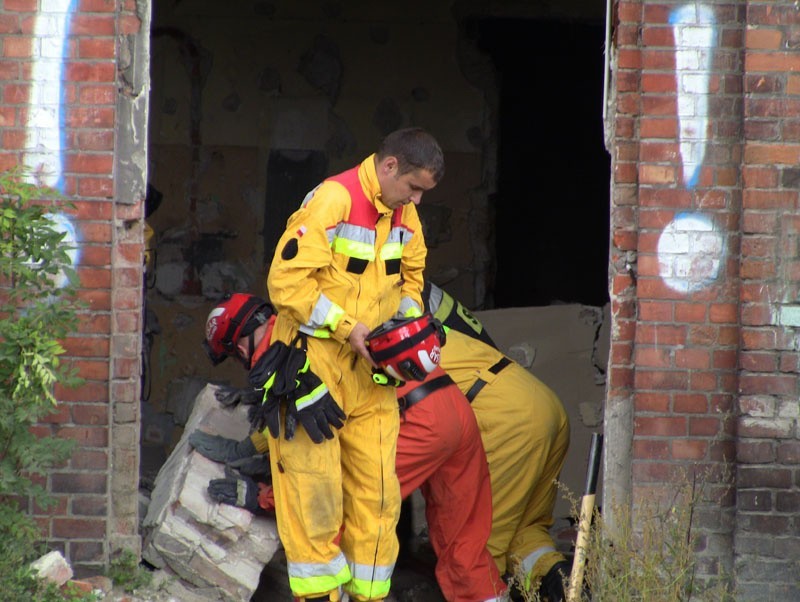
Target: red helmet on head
238, 315
407, 349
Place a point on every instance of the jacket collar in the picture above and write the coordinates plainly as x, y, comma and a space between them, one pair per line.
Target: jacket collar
369, 183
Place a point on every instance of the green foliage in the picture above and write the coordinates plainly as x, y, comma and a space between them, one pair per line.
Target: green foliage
35, 314
126, 572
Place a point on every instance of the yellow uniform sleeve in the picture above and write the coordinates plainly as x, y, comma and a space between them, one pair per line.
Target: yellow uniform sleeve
303, 249
413, 261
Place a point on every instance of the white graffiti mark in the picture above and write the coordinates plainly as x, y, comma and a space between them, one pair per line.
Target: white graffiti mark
61, 223
44, 140
695, 38
690, 252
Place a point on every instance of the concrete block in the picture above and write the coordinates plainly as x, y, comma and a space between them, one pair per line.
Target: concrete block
218, 548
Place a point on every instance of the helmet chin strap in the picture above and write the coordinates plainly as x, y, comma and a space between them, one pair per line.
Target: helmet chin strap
251, 347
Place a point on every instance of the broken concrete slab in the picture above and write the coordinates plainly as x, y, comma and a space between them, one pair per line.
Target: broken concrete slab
218, 549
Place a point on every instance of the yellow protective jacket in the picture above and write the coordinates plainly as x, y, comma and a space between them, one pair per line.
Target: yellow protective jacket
344, 260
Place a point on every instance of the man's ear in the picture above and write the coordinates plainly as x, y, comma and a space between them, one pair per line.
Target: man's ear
389, 165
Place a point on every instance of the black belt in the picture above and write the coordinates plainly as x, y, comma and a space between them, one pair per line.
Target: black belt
425, 389
480, 383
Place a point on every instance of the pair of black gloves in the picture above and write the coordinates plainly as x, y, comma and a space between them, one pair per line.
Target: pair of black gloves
244, 467
283, 376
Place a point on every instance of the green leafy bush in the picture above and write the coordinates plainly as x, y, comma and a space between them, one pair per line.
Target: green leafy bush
36, 312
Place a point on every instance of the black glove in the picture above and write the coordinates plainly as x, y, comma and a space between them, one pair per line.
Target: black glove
221, 449
314, 408
552, 586
236, 491
231, 396
263, 376
253, 466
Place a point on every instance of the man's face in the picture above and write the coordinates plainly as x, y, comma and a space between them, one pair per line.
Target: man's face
397, 189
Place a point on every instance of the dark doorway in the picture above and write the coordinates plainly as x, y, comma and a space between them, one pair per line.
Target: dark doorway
553, 170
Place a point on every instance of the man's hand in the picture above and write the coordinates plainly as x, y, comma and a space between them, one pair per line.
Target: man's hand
357, 340
221, 449
231, 396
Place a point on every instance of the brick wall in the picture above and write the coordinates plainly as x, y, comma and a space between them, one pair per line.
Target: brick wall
703, 364
60, 108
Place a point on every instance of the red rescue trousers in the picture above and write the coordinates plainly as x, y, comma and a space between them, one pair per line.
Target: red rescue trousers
439, 450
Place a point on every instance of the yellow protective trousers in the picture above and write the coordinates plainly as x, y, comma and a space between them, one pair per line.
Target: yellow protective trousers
525, 433
348, 481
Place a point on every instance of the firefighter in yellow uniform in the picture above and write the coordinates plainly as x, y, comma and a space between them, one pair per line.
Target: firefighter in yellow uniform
350, 259
525, 433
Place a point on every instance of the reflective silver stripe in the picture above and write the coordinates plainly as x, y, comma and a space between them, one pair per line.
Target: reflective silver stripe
309, 195
312, 397
501, 598
407, 303
435, 298
532, 558
320, 312
400, 234
304, 570
354, 241
371, 572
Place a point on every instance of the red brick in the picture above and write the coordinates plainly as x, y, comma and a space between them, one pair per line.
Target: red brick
651, 449
94, 323
97, 95
656, 219
97, 6
759, 246
629, 58
126, 322
621, 352
660, 152
620, 377
94, 277
91, 163
651, 402
129, 25
658, 357
657, 60
789, 452
89, 391
96, 187
661, 379
91, 72
662, 334
657, 174
629, 12
93, 370
9, 23
128, 298
703, 381
95, 255
689, 403
87, 347
704, 427
769, 199
657, 36
95, 232
90, 460
90, 414
771, 154
690, 312
86, 436
653, 472
658, 127
755, 452
768, 384
99, 300
92, 140
771, 61
91, 117
16, 47
726, 359
97, 48
689, 449
758, 361
789, 362
723, 313
625, 173
656, 311
59, 415
126, 367
83, 528
693, 359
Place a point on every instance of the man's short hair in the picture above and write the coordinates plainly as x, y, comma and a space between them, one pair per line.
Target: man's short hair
415, 149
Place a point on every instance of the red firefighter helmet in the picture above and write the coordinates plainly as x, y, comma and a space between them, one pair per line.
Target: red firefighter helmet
236, 316
408, 349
